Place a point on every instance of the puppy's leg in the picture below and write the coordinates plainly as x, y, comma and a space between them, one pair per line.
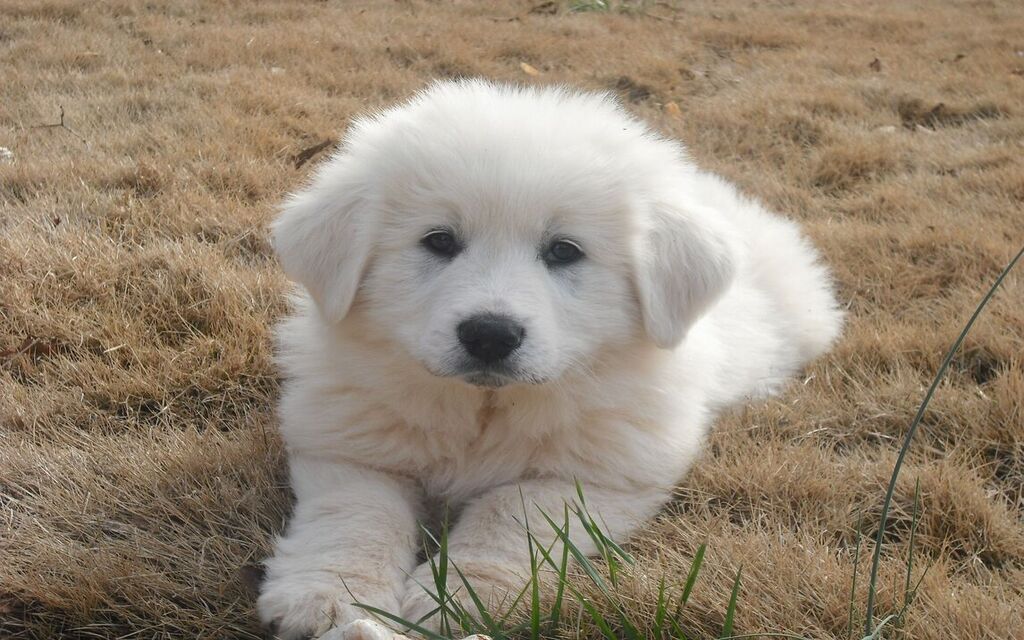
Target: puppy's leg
489, 542
352, 538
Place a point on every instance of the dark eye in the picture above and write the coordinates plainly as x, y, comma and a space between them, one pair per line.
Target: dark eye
441, 243
562, 252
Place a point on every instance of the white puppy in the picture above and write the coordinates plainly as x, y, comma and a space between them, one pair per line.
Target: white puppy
510, 290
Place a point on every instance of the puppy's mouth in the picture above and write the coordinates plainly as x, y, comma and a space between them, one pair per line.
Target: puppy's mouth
488, 376
488, 379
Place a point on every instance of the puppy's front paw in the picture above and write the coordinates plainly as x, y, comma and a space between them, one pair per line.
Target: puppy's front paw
309, 604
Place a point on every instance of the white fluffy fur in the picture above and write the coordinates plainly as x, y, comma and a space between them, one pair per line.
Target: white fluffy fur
690, 298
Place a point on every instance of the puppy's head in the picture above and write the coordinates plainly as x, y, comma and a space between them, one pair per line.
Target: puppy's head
504, 235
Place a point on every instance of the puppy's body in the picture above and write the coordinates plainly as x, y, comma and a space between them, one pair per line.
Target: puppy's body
687, 298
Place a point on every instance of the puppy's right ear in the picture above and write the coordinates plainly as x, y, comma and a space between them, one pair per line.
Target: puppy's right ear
688, 260
322, 239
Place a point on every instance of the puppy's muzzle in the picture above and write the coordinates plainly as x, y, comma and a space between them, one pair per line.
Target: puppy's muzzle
490, 338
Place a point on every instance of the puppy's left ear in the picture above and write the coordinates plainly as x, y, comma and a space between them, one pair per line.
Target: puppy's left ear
322, 236
687, 260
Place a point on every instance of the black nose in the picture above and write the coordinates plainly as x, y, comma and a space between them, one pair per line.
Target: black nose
490, 338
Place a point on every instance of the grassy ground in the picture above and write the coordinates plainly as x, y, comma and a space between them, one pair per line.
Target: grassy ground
139, 470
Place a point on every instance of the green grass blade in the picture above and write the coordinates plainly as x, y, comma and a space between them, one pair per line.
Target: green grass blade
629, 628
546, 553
592, 531
691, 579
560, 568
730, 612
450, 607
534, 598
580, 557
677, 629
561, 574
754, 636
594, 614
534, 582
602, 541
503, 621
439, 574
512, 608
414, 624
447, 605
877, 557
438, 569
877, 633
441, 577
902, 612
698, 560
856, 568
913, 533
485, 617
427, 616
587, 521
619, 551
598, 619
661, 608
426, 633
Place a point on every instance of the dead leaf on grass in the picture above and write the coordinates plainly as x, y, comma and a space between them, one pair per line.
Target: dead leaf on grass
37, 348
251, 577
544, 8
530, 70
632, 90
916, 114
33, 347
307, 154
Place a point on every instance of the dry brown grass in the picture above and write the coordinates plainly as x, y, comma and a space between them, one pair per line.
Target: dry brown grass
138, 467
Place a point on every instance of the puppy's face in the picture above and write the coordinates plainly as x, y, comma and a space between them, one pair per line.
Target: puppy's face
502, 236
499, 274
